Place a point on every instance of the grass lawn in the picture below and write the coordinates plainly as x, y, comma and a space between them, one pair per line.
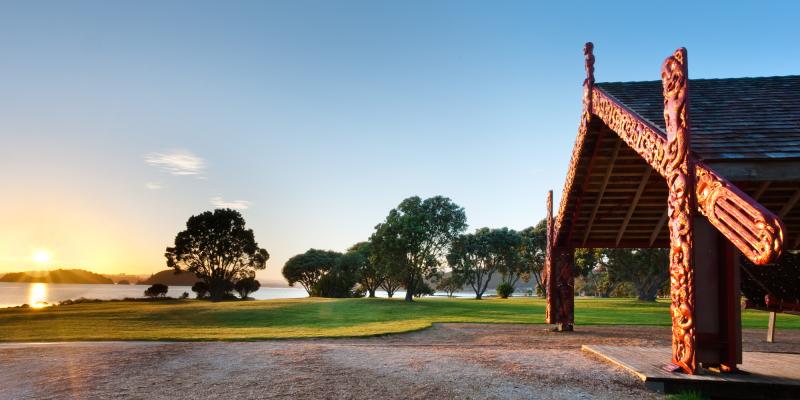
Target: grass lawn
303, 318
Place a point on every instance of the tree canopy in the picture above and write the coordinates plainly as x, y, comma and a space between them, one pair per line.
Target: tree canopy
218, 249
477, 256
415, 236
308, 268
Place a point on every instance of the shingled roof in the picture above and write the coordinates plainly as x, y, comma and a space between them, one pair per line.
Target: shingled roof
732, 119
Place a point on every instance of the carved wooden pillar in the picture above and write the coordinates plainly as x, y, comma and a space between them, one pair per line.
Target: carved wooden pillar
564, 260
549, 283
681, 208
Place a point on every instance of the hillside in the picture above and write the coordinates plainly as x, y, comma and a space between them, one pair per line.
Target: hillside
57, 276
170, 278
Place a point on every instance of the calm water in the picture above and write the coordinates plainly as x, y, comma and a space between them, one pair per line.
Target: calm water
37, 294
14, 294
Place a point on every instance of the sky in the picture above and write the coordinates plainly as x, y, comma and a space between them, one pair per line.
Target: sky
119, 120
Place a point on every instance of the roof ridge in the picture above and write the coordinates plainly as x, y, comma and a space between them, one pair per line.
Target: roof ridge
710, 79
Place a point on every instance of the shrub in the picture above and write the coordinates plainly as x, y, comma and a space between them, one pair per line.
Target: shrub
504, 290
201, 289
185, 295
423, 289
157, 290
246, 286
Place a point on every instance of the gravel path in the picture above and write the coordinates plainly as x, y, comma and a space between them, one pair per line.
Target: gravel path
471, 361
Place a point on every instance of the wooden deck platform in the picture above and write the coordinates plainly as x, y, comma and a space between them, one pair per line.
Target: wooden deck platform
762, 375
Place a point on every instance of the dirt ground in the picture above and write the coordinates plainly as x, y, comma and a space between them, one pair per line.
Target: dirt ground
465, 361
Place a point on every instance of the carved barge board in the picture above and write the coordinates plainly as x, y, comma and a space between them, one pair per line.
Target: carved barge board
754, 230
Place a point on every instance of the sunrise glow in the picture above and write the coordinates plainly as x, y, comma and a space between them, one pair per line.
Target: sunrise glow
41, 256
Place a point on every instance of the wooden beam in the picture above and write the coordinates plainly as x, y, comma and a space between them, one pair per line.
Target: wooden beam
755, 171
602, 191
659, 225
790, 204
761, 189
632, 208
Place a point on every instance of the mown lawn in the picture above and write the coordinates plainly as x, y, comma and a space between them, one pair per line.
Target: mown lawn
303, 318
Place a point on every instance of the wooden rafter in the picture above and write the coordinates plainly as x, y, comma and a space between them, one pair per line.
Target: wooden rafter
761, 189
602, 191
790, 204
634, 203
659, 226
577, 211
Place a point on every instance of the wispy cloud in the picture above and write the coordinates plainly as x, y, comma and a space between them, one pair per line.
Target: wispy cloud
179, 162
219, 202
153, 186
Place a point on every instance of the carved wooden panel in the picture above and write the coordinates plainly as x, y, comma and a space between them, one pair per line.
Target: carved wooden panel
754, 230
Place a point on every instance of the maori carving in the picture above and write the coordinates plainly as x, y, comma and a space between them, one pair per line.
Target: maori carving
549, 283
754, 230
638, 134
588, 83
679, 170
583, 129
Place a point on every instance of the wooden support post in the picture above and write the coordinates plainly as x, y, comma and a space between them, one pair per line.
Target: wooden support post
771, 328
681, 203
717, 309
550, 282
563, 260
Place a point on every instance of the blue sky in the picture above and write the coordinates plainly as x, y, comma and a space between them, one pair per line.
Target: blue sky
119, 121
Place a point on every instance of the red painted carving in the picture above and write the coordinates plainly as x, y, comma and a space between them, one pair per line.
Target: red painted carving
549, 284
583, 128
681, 207
754, 230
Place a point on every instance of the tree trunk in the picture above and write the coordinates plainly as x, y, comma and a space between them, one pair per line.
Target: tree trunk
371, 292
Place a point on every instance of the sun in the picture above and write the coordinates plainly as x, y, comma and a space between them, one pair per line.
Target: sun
41, 256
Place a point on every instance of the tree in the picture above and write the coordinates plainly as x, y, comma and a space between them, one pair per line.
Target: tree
157, 290
371, 276
308, 268
476, 257
533, 247
391, 284
246, 286
340, 281
450, 284
415, 237
201, 289
218, 249
645, 269
423, 289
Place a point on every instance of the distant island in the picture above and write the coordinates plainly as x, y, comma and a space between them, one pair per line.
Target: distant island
170, 278
57, 276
